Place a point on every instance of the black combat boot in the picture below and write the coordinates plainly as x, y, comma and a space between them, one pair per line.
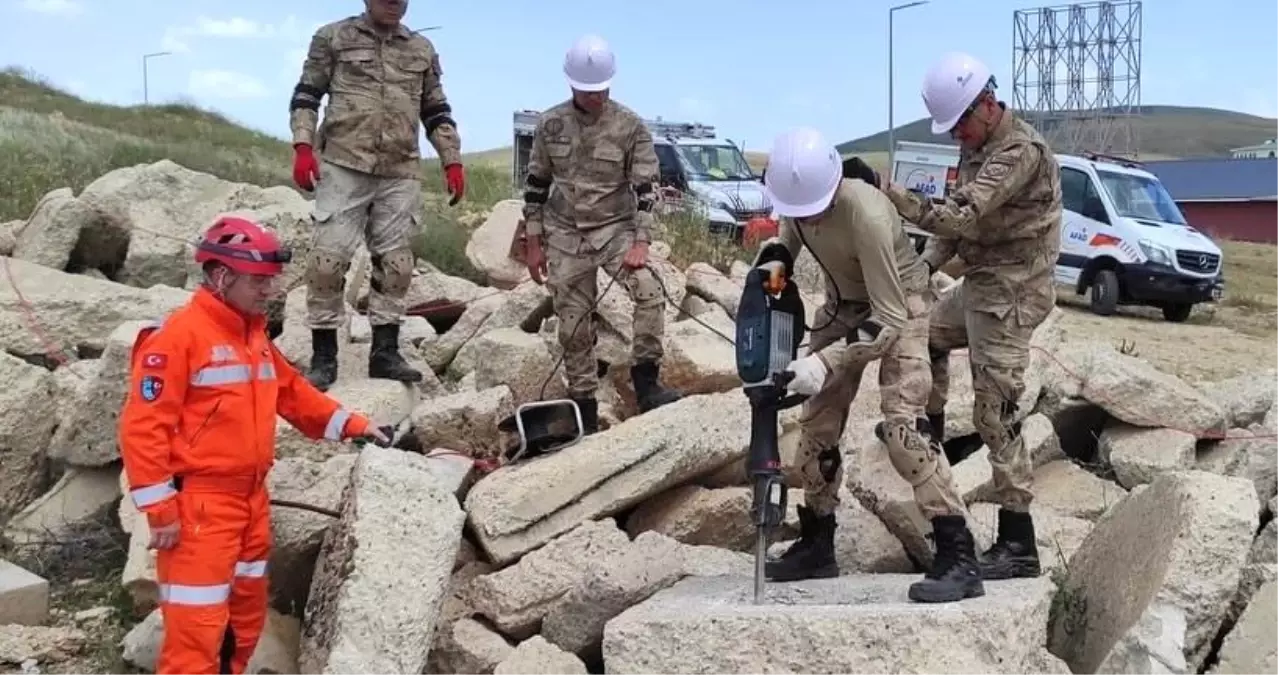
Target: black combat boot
1015, 551
385, 362
812, 556
589, 414
323, 371
648, 391
955, 573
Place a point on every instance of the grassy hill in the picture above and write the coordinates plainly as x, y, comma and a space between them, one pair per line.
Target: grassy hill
51, 139
1162, 130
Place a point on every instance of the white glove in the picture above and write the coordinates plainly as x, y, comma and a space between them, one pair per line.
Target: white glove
809, 375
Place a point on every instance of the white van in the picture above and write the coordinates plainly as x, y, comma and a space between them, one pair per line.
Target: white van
1123, 239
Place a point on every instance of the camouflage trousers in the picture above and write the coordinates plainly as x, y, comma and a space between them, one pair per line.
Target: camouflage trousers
904, 382
998, 340
572, 277
353, 207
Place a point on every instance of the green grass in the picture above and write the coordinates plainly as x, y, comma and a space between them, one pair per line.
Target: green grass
50, 139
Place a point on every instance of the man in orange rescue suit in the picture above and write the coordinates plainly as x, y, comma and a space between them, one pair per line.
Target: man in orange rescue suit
197, 434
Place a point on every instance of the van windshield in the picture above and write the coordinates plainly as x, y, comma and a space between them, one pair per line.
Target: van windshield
1140, 197
714, 162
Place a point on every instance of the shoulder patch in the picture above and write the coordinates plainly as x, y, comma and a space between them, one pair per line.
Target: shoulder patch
996, 169
155, 361
554, 126
151, 387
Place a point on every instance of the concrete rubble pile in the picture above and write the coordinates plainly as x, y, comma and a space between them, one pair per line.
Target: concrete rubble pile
628, 552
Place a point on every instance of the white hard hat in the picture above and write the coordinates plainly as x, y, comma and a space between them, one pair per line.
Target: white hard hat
803, 173
590, 64
951, 85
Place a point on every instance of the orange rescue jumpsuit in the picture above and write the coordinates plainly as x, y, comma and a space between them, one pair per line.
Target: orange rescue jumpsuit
197, 435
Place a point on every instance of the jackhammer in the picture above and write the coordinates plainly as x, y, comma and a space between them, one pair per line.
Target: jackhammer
769, 330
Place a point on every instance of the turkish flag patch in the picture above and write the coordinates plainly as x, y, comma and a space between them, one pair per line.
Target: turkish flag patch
155, 361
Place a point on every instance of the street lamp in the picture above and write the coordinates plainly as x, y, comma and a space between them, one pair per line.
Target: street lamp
891, 119
146, 99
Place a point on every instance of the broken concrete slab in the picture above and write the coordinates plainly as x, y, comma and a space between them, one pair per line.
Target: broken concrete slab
849, 624
79, 495
465, 421
700, 516
24, 597
536, 656
576, 620
1139, 394
520, 507
1070, 490
516, 599
1137, 454
1250, 647
383, 569
298, 533
468, 646
1180, 540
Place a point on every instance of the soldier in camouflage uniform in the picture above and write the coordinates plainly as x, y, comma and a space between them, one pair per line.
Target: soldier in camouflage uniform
588, 201
381, 80
1003, 219
877, 305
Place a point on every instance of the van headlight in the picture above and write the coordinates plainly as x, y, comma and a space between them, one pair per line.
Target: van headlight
1157, 254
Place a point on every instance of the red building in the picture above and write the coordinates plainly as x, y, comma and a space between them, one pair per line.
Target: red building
1225, 197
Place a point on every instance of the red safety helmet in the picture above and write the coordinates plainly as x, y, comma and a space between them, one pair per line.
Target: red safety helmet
243, 246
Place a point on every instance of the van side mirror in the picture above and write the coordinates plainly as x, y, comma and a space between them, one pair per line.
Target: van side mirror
1094, 209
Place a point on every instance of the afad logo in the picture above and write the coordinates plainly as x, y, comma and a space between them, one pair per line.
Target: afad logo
151, 387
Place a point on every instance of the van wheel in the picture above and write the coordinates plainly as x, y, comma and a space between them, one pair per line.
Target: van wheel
1104, 298
1177, 312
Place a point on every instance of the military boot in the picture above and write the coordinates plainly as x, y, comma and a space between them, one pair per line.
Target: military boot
323, 371
955, 573
648, 391
589, 408
812, 556
385, 361
1015, 551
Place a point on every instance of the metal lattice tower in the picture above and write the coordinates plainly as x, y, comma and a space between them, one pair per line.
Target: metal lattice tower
1077, 75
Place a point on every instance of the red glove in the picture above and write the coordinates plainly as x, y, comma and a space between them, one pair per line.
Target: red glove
455, 176
305, 169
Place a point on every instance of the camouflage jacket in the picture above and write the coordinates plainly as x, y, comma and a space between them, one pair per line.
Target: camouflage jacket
378, 88
1003, 218
591, 174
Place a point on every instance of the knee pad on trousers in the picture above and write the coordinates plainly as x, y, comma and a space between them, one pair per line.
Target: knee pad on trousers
396, 272
828, 462
993, 417
910, 450
326, 271
646, 289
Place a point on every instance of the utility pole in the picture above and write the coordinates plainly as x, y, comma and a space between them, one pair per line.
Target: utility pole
146, 97
891, 118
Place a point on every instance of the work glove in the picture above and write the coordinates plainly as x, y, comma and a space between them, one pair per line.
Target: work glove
455, 176
857, 168
809, 375
305, 169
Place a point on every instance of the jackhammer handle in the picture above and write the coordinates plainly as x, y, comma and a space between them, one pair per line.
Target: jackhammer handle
791, 401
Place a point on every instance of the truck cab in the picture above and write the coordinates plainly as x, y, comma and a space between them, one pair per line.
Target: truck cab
698, 170
1123, 239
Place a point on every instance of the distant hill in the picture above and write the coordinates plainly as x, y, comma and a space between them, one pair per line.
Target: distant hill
1162, 130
